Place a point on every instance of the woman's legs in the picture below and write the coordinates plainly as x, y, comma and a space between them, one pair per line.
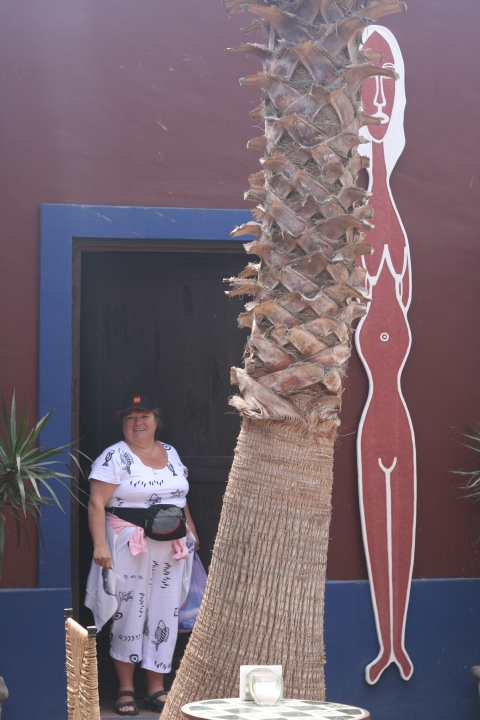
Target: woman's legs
124, 672
150, 589
155, 683
164, 599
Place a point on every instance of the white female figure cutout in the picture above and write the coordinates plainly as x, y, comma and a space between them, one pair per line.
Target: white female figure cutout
386, 446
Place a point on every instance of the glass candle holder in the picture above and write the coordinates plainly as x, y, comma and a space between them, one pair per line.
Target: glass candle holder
266, 687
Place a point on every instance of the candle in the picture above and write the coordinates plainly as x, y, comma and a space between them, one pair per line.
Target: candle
266, 689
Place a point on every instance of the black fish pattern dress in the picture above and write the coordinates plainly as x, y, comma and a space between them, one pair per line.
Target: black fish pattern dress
142, 592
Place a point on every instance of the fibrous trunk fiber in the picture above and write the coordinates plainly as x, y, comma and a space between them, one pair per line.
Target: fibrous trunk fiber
266, 582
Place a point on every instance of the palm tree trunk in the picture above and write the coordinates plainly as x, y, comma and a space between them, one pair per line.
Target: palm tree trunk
260, 601
265, 593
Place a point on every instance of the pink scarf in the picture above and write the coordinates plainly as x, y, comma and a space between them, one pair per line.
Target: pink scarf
137, 542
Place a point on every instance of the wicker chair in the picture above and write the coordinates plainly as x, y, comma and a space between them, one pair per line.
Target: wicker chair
82, 672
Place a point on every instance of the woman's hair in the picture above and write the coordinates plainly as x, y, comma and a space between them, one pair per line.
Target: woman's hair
159, 418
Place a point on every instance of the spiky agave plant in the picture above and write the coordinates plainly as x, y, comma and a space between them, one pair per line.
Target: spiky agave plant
27, 471
472, 477
265, 595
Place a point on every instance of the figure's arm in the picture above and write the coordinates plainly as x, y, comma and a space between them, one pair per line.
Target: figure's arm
100, 494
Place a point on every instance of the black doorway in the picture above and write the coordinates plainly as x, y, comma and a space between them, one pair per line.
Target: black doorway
158, 320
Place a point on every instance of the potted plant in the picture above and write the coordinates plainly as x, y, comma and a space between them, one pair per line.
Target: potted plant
472, 490
28, 471
472, 477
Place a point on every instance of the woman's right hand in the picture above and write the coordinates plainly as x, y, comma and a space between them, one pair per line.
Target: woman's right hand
102, 556
100, 494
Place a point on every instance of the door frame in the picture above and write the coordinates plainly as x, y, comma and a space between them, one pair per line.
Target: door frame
64, 231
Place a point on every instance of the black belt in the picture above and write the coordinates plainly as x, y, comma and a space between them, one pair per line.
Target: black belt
136, 516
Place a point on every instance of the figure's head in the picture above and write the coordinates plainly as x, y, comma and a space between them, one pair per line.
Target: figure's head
384, 98
378, 93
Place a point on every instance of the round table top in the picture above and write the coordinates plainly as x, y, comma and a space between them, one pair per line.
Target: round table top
235, 709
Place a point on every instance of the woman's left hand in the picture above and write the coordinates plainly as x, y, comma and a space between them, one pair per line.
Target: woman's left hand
191, 526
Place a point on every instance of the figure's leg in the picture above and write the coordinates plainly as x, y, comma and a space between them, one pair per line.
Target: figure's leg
403, 530
376, 511
391, 578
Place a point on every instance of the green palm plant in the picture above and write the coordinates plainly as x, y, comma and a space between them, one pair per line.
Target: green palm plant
28, 471
472, 477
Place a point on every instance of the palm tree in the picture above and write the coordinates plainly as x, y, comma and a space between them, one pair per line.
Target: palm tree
265, 595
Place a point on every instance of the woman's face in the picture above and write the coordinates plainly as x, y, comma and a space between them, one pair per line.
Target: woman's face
139, 426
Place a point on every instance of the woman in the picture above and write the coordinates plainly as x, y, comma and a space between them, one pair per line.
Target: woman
134, 579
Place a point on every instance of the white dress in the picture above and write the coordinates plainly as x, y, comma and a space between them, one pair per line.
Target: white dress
142, 593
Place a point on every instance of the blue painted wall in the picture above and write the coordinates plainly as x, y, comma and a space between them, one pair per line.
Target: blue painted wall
442, 636
32, 653
442, 639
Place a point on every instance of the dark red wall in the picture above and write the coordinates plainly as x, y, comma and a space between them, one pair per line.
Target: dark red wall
135, 102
